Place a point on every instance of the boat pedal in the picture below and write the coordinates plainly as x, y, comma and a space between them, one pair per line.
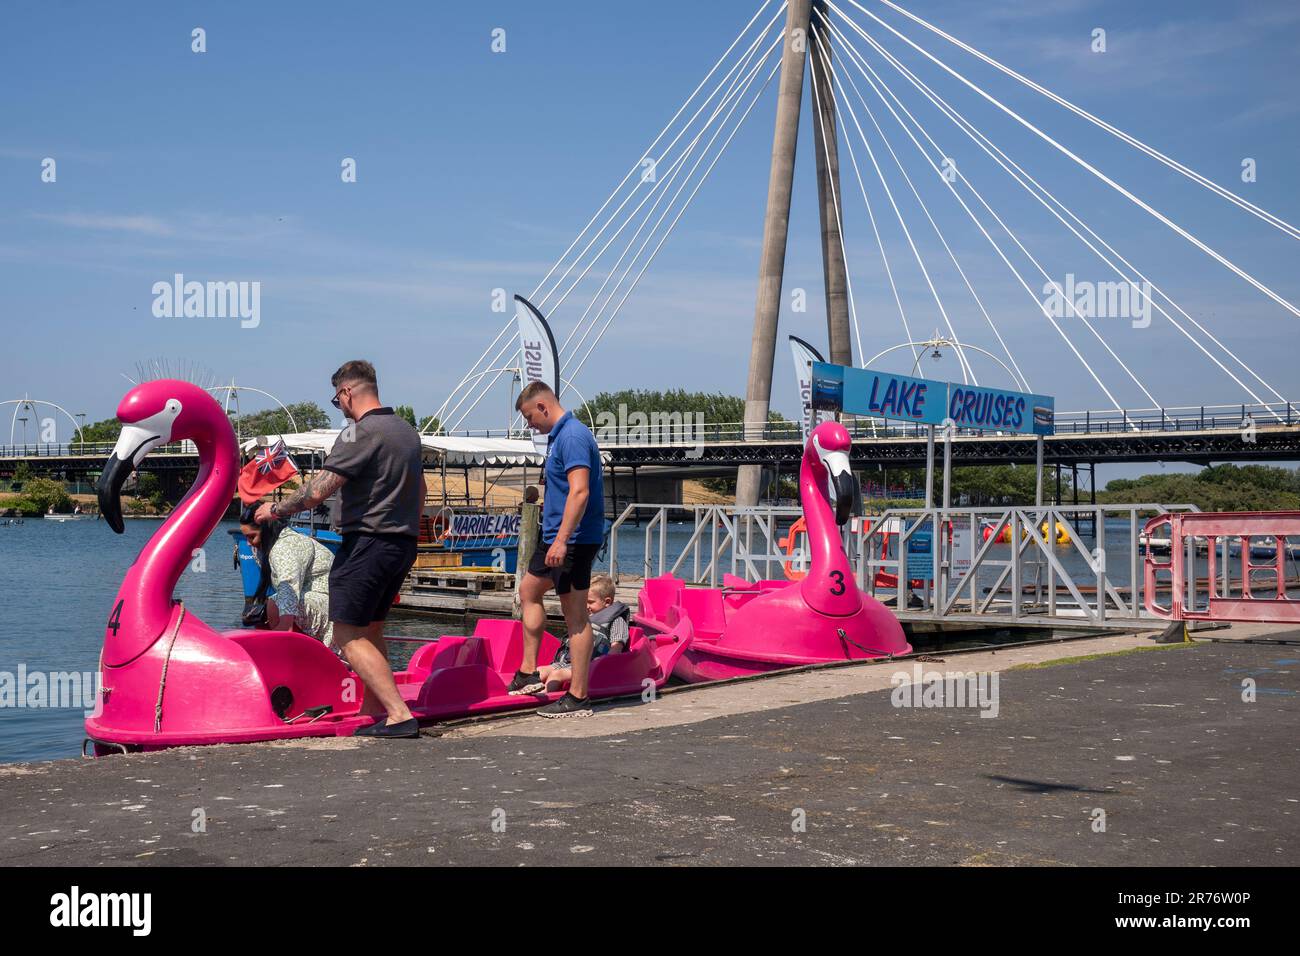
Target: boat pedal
315, 713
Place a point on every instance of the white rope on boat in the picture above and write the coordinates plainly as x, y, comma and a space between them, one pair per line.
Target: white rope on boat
1024, 179
1222, 260
1151, 151
162, 679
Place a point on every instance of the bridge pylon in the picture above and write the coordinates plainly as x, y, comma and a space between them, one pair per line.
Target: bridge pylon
800, 42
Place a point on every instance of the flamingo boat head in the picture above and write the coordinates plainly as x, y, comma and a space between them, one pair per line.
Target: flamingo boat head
169, 678
152, 414
827, 456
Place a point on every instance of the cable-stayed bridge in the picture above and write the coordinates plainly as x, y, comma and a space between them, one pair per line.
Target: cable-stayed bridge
891, 99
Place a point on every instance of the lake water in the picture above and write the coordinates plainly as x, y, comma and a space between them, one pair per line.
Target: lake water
59, 583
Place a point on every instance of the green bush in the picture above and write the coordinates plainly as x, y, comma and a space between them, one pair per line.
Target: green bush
46, 494
23, 506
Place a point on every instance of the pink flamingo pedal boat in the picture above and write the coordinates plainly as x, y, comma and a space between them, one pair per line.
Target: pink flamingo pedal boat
746, 628
169, 680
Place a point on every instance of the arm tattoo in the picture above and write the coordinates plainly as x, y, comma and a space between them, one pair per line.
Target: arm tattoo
311, 493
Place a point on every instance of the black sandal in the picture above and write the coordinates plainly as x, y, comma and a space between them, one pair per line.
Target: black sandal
405, 728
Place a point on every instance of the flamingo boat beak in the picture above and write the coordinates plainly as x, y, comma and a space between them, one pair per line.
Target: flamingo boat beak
841, 488
133, 444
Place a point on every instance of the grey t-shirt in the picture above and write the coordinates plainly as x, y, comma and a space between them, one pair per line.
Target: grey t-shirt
379, 455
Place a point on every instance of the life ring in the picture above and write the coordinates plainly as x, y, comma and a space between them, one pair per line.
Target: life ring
440, 526
791, 551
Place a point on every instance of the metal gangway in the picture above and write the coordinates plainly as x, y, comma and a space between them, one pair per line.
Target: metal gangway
1071, 566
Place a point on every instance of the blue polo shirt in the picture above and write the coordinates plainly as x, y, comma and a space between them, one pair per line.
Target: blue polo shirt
571, 444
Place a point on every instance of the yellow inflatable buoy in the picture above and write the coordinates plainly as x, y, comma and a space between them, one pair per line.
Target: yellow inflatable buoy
1062, 533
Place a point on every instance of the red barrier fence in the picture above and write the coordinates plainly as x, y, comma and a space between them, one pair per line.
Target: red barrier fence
1259, 593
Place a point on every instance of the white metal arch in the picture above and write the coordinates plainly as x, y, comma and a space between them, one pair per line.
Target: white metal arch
19, 404
938, 342
233, 389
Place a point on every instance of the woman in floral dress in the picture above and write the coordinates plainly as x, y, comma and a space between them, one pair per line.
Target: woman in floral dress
297, 566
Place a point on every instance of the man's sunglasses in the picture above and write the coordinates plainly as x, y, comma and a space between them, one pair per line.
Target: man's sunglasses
335, 400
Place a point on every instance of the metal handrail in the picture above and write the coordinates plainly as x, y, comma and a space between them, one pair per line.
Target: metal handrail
1028, 578
665, 432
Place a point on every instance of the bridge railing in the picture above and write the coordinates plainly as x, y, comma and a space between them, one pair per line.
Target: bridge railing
1080, 565
1178, 418
671, 430
90, 449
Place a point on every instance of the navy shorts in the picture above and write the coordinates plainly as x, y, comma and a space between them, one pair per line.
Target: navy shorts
573, 575
367, 573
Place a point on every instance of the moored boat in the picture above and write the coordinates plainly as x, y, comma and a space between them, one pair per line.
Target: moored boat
171, 680
746, 628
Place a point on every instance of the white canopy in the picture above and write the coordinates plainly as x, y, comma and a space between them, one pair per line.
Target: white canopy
458, 451
483, 451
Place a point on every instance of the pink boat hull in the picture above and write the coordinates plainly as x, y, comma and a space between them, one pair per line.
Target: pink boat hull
170, 680
733, 636
462, 676
219, 686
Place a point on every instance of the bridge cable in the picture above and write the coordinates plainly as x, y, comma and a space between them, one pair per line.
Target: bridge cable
484, 387
966, 371
952, 255
591, 326
734, 95
509, 324
1092, 169
1077, 354
880, 242
738, 69
952, 189
1151, 151
680, 213
998, 156
835, 195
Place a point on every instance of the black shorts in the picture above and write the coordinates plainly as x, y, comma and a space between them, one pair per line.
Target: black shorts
368, 570
573, 575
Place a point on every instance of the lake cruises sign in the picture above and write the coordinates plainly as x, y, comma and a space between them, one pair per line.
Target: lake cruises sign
903, 398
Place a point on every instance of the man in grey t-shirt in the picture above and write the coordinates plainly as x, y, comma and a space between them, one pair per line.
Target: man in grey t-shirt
376, 465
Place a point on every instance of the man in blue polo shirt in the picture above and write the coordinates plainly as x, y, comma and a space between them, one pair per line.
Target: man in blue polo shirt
573, 527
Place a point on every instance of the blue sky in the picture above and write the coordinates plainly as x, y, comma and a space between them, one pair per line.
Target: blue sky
475, 169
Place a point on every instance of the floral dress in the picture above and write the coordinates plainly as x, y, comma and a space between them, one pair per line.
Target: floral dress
300, 571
